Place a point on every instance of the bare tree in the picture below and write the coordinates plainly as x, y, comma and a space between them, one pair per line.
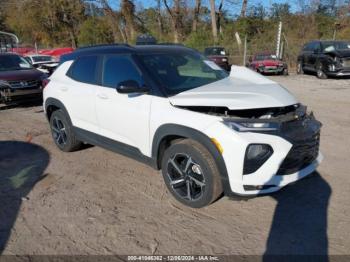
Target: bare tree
244, 8
219, 16
213, 21
113, 19
128, 12
196, 12
159, 19
175, 16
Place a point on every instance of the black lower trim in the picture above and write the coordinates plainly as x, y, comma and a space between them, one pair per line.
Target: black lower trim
115, 146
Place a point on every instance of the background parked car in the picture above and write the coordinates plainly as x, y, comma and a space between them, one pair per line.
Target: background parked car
325, 58
19, 80
45, 63
268, 63
218, 55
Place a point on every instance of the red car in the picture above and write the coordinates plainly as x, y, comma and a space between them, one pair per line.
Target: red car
267, 63
19, 80
219, 56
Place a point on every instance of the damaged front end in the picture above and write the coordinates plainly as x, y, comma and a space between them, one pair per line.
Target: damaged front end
14, 92
293, 123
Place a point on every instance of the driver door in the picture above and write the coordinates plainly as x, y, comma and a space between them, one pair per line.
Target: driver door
122, 117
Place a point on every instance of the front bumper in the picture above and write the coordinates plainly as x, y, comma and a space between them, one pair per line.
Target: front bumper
10, 95
340, 73
271, 69
274, 173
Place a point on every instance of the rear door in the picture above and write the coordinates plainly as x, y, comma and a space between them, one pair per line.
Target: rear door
123, 117
79, 92
314, 55
306, 55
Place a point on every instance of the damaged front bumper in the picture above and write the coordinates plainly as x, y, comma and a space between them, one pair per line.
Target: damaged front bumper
295, 148
9, 95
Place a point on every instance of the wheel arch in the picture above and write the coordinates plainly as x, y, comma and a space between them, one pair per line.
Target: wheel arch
168, 133
53, 104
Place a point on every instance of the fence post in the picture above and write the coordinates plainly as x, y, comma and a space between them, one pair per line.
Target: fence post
245, 50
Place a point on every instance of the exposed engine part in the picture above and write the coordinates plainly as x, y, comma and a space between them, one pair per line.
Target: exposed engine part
277, 113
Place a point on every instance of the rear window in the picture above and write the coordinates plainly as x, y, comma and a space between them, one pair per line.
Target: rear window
84, 70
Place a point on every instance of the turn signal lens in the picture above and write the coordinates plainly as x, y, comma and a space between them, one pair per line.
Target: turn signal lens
217, 144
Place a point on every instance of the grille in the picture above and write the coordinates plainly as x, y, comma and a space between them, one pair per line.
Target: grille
301, 154
24, 84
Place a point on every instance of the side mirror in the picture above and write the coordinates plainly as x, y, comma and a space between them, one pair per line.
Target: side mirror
131, 86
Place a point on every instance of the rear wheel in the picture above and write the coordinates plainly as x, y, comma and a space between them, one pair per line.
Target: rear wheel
300, 69
190, 174
62, 132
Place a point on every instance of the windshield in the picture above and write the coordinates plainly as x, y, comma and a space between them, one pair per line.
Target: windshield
13, 62
215, 51
265, 57
179, 72
332, 46
42, 59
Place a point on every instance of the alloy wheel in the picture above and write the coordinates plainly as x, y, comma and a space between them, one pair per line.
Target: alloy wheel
59, 131
186, 177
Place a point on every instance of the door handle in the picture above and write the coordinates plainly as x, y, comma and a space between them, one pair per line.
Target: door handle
102, 96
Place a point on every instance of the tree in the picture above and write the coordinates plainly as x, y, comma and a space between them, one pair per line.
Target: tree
196, 11
176, 21
213, 21
244, 8
114, 22
95, 30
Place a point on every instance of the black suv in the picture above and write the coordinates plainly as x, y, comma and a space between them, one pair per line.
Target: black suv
325, 58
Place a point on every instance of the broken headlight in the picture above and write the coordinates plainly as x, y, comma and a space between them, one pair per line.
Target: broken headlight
251, 126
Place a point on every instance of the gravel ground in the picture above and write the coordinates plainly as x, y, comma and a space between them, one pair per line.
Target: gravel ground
96, 202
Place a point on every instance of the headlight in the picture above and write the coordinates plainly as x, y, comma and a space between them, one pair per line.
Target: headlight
250, 126
4, 83
224, 60
261, 65
338, 60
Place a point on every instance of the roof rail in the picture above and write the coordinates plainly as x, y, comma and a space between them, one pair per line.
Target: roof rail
103, 45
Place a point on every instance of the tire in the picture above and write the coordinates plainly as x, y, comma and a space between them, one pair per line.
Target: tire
319, 72
62, 132
285, 72
300, 69
187, 166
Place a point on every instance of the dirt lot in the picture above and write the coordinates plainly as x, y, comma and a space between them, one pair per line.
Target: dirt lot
97, 202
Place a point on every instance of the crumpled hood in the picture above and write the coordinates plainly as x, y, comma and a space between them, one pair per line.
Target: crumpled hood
340, 53
243, 89
270, 62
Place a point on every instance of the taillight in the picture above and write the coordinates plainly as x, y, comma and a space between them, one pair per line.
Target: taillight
44, 82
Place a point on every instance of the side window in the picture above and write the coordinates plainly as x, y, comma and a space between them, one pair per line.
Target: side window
84, 70
117, 69
308, 47
317, 47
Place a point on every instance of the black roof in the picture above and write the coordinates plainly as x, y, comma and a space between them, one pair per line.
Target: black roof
121, 49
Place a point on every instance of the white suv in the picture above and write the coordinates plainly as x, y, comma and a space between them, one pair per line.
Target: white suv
209, 132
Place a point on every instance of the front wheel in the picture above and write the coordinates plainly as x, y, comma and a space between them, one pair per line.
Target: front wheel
191, 174
320, 73
285, 72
